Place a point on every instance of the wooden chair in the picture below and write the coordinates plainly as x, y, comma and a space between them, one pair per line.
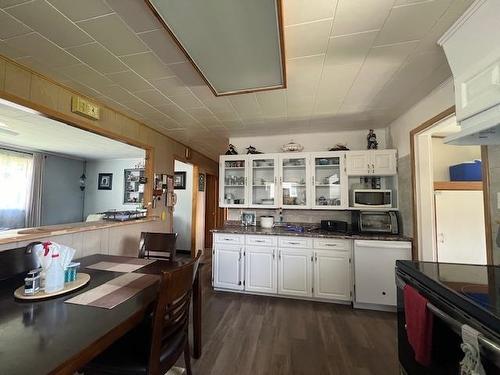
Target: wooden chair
155, 346
158, 243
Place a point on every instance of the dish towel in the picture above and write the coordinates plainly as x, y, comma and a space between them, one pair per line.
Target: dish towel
418, 325
471, 364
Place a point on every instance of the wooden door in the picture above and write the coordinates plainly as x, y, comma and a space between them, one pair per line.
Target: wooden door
211, 208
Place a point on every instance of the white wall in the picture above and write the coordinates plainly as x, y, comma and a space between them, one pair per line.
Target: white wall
355, 139
103, 200
183, 210
436, 102
443, 156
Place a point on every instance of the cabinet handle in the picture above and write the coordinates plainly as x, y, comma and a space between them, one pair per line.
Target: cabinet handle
275, 180
312, 258
373, 168
273, 255
279, 254
312, 178
294, 243
331, 244
260, 241
368, 165
316, 258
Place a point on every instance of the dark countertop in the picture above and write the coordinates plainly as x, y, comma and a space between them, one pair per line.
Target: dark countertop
309, 232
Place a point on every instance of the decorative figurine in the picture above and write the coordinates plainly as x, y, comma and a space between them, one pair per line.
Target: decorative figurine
339, 147
372, 140
231, 150
292, 147
252, 150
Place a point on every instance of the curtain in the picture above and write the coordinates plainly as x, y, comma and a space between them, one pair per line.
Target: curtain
34, 206
16, 170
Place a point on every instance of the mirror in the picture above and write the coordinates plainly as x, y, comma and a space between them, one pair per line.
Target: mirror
53, 173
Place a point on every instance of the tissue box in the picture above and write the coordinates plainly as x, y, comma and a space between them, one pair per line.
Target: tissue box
466, 171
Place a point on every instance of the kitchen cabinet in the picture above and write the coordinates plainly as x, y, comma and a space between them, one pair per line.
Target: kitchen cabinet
228, 267
329, 186
294, 272
374, 271
260, 269
332, 274
371, 163
233, 181
263, 181
295, 177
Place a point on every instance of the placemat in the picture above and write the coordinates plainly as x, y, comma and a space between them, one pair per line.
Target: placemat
125, 265
115, 291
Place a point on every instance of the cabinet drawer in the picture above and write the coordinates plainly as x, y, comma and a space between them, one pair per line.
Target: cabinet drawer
292, 242
261, 240
229, 238
332, 243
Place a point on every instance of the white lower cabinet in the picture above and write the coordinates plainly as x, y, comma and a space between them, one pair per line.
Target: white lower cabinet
294, 272
228, 267
260, 269
332, 275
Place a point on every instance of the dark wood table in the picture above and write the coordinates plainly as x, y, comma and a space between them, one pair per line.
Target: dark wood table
53, 337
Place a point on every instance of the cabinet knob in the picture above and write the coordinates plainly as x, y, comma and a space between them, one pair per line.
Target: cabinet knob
383, 293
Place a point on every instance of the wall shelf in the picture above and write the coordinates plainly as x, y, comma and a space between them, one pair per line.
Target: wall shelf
458, 185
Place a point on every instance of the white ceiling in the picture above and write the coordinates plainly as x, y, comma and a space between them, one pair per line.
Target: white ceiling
351, 64
32, 131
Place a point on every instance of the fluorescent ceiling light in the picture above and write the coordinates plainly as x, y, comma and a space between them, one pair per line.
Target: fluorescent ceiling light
236, 45
18, 106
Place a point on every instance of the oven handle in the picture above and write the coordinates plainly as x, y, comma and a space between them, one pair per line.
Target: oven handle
453, 323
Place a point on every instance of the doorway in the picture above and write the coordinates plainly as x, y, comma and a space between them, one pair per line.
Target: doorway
214, 216
449, 210
184, 223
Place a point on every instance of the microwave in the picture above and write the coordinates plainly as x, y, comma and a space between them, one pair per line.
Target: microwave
371, 198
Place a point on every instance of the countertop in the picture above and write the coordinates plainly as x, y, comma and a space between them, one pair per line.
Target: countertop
309, 232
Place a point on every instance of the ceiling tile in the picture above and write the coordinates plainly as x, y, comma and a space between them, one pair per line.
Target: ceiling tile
42, 49
300, 11
411, 22
163, 45
114, 34
10, 27
307, 39
147, 65
187, 74
176, 113
87, 76
226, 116
136, 14
299, 106
354, 16
11, 51
45, 19
8, 3
78, 10
40, 67
171, 86
130, 81
153, 97
204, 116
350, 49
186, 101
304, 73
272, 103
246, 105
117, 93
98, 58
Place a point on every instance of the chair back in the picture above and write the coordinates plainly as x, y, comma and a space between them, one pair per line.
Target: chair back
171, 314
158, 243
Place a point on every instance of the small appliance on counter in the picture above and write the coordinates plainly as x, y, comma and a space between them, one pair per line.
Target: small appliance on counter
334, 226
376, 222
267, 221
372, 198
124, 215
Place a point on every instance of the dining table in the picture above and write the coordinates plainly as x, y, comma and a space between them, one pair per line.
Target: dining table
53, 337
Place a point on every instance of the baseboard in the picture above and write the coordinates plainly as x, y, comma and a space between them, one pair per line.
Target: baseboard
369, 306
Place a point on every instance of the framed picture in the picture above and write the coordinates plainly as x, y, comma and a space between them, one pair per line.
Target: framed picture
180, 180
201, 182
105, 181
249, 218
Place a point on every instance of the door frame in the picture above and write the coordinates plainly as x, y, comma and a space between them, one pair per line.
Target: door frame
486, 178
219, 214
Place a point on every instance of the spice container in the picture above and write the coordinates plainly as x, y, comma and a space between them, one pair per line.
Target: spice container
32, 282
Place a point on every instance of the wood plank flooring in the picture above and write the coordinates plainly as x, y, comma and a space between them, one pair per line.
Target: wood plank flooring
257, 335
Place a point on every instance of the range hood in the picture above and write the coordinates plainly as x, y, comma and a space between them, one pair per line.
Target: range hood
473, 52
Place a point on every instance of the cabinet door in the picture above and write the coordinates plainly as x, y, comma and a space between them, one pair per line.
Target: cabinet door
228, 267
374, 270
332, 275
263, 181
358, 163
294, 272
384, 162
233, 189
294, 178
329, 180
260, 269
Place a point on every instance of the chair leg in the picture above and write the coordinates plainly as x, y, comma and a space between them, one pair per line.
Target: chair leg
187, 358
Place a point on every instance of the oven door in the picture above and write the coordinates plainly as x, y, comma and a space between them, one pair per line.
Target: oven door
446, 352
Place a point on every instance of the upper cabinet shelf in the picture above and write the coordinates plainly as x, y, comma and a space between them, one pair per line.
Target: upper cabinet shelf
306, 180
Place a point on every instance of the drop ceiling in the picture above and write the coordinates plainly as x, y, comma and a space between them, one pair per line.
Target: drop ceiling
351, 64
32, 131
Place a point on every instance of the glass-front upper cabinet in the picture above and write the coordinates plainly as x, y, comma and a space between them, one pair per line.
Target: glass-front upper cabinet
329, 180
263, 181
294, 178
233, 184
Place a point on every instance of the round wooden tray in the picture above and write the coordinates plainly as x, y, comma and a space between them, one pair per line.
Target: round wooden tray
82, 279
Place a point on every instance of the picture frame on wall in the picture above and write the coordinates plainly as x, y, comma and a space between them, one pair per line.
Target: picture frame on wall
180, 180
201, 182
105, 181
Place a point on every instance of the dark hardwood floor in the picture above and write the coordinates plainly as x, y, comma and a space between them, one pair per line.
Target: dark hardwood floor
254, 335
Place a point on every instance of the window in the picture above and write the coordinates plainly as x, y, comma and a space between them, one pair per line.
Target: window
15, 181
